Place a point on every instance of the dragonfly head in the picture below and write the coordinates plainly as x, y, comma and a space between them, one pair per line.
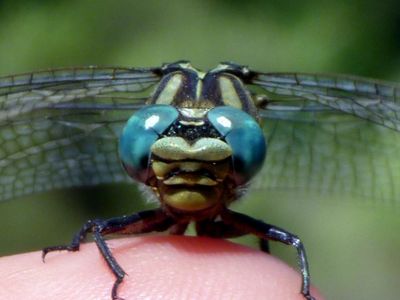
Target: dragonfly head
193, 158
197, 140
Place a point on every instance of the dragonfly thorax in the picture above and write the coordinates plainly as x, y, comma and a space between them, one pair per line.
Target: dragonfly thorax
183, 86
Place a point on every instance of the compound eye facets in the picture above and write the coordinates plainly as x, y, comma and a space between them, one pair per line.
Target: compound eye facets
140, 133
244, 136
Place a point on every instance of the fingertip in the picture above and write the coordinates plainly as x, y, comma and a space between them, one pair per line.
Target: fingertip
166, 267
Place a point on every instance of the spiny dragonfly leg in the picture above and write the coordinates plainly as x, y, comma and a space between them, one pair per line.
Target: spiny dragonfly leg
264, 246
219, 229
269, 232
76, 241
142, 222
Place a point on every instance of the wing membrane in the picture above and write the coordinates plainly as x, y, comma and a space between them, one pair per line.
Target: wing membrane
372, 100
60, 128
333, 155
73, 88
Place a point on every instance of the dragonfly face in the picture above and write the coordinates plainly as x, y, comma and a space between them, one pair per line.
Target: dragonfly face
195, 140
187, 144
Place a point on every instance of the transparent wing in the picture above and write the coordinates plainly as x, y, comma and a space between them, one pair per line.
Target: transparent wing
331, 159
331, 135
373, 100
59, 128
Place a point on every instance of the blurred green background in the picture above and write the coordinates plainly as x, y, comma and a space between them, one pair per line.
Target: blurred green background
353, 248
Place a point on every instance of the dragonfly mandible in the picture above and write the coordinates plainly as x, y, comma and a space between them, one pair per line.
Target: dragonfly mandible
194, 139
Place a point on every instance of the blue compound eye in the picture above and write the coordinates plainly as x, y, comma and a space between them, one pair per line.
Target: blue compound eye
139, 134
244, 136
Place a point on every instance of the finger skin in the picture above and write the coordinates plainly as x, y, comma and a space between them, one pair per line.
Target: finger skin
158, 267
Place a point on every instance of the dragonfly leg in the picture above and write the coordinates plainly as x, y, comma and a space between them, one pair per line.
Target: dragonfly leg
76, 241
178, 228
264, 246
142, 222
266, 231
217, 229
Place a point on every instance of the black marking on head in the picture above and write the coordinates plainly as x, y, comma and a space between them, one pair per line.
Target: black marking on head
192, 133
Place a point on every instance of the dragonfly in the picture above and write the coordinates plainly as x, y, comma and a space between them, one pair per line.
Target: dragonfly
197, 141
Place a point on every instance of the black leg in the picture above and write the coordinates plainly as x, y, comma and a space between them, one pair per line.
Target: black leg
76, 241
269, 232
264, 246
142, 222
111, 262
217, 229
178, 228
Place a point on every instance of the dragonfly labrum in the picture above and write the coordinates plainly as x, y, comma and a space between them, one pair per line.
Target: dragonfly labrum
196, 140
